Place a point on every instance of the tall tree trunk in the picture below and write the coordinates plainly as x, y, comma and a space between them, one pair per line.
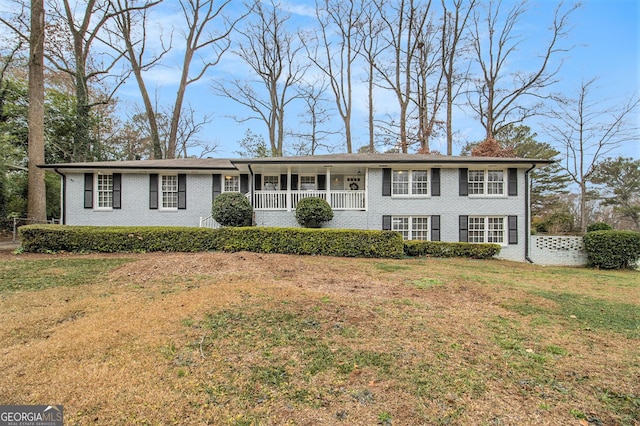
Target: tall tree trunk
37, 200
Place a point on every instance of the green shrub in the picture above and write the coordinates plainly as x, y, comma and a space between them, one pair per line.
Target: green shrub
416, 248
328, 242
232, 209
612, 249
599, 226
312, 211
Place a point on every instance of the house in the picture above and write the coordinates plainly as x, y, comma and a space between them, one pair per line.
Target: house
438, 198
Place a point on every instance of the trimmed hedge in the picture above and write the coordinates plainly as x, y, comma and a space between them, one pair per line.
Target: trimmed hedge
232, 209
329, 242
612, 249
416, 248
311, 212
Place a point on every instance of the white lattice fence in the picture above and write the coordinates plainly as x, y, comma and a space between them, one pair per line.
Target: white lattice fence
557, 250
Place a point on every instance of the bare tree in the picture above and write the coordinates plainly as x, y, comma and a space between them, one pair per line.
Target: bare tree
403, 21
505, 96
336, 53
428, 82
272, 52
36, 199
588, 131
454, 26
315, 115
369, 29
135, 51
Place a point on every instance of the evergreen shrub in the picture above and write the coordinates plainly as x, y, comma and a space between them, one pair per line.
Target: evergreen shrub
612, 249
232, 209
311, 212
417, 248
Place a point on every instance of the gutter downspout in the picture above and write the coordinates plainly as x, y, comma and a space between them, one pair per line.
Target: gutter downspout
527, 207
63, 197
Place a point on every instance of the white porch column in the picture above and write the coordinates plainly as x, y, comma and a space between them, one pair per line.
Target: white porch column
289, 203
328, 185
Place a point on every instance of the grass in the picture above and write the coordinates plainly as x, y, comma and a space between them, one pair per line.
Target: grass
250, 339
42, 274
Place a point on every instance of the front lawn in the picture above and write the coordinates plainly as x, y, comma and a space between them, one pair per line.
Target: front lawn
246, 338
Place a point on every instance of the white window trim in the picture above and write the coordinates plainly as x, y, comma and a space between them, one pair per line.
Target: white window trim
410, 182
505, 229
410, 222
161, 193
96, 193
485, 183
224, 181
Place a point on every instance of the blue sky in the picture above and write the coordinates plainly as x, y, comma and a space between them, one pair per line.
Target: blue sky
605, 34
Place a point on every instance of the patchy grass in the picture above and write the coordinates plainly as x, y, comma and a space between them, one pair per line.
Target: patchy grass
251, 339
47, 273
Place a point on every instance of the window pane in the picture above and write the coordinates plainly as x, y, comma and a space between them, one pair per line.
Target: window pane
401, 224
307, 183
420, 228
232, 184
476, 229
476, 181
420, 184
271, 183
400, 182
495, 182
105, 191
170, 192
495, 230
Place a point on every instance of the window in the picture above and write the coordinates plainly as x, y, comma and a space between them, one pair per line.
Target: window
232, 184
410, 182
104, 192
489, 229
307, 182
169, 192
486, 182
271, 183
411, 227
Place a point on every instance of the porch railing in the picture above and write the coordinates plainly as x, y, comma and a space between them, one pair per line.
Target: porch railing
339, 200
209, 222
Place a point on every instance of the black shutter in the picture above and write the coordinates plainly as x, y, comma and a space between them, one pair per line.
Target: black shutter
386, 223
464, 182
435, 228
386, 182
435, 182
153, 191
117, 191
182, 191
513, 182
244, 184
257, 182
322, 182
283, 182
294, 182
513, 229
464, 228
88, 190
216, 186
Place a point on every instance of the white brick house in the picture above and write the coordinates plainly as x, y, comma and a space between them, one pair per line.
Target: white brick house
438, 198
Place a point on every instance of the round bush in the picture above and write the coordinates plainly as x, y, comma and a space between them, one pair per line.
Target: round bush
599, 226
232, 209
612, 249
312, 211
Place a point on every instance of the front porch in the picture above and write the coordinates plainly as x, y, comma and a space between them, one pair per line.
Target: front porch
344, 188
